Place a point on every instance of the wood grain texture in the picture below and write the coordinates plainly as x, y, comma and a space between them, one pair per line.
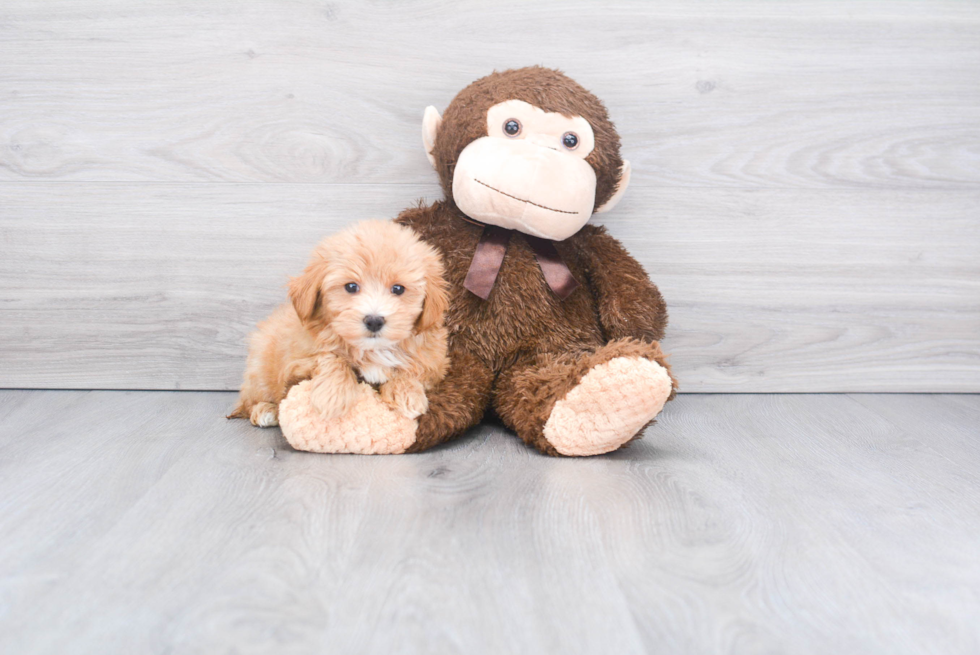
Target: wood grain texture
129, 286
144, 522
746, 94
805, 189
959, 443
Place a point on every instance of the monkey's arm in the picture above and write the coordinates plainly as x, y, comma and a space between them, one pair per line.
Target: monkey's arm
629, 304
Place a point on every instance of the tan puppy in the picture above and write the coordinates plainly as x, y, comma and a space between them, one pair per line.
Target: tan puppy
369, 307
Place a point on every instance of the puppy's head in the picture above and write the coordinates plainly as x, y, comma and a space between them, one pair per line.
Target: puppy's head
373, 285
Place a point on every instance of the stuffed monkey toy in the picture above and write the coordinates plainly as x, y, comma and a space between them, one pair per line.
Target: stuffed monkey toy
552, 324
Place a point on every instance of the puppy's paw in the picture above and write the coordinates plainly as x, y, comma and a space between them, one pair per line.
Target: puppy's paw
332, 400
407, 397
331, 406
264, 415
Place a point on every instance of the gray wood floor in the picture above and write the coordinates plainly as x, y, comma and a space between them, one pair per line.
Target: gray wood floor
143, 522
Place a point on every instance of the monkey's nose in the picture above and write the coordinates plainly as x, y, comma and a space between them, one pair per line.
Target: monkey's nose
543, 140
374, 323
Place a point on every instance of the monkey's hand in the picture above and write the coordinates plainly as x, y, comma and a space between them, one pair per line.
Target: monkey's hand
405, 395
630, 306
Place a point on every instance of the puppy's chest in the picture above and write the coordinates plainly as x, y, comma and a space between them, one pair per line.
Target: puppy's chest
377, 366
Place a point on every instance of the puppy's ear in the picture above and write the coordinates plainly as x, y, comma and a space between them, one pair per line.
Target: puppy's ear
436, 297
304, 291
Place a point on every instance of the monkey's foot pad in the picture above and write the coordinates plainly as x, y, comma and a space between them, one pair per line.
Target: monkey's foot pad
608, 407
370, 428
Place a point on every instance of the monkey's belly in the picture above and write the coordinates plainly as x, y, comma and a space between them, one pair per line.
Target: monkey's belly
522, 315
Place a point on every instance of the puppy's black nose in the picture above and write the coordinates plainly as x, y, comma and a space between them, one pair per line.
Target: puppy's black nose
374, 323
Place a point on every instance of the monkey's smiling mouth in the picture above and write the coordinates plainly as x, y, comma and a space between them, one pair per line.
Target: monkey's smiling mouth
504, 193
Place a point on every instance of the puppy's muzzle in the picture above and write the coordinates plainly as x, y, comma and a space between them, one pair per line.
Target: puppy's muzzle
374, 323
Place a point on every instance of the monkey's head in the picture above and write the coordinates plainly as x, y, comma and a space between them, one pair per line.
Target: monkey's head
527, 149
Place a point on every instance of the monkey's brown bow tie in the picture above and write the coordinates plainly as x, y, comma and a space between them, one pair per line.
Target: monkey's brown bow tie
489, 256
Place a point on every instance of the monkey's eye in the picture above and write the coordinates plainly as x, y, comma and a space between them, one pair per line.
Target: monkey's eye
398, 289
570, 140
351, 287
512, 127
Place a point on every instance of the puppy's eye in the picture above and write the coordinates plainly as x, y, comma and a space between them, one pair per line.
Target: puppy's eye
570, 140
351, 287
398, 289
512, 127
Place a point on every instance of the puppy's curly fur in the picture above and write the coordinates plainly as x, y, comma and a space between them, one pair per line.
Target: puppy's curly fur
369, 307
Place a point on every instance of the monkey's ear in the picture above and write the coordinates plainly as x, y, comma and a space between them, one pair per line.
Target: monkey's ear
624, 181
430, 125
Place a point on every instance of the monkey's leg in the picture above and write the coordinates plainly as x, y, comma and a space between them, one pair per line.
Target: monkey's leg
587, 402
372, 427
455, 404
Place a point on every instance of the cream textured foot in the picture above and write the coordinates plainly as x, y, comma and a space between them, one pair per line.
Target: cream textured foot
370, 428
609, 405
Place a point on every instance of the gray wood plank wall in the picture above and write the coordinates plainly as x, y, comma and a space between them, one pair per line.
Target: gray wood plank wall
806, 183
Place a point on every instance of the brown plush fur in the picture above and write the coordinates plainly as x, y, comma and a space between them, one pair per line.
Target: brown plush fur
521, 350
528, 390
323, 335
465, 120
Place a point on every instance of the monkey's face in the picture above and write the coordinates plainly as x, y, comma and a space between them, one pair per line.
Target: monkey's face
529, 173
527, 149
